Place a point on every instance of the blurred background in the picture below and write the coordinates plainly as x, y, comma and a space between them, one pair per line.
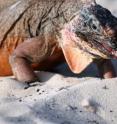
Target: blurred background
110, 4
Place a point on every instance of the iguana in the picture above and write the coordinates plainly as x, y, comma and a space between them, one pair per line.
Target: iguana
6, 3
41, 33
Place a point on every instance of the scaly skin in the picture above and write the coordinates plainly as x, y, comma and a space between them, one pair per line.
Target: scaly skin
6, 3
30, 34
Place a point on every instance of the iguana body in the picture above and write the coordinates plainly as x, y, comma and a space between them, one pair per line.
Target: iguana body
32, 32
6, 3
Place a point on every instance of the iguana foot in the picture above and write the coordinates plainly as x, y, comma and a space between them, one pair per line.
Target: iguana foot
22, 69
106, 69
30, 51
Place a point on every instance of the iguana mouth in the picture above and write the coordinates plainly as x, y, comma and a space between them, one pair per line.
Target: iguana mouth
106, 47
103, 48
92, 46
111, 52
106, 50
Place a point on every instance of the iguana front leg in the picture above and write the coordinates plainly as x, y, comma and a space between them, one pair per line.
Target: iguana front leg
30, 51
106, 69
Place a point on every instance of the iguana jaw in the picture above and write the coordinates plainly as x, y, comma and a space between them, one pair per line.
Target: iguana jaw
80, 53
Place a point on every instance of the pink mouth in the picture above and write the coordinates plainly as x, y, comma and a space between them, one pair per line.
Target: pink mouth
112, 52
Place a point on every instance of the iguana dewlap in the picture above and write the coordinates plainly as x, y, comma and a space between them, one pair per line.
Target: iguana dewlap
37, 33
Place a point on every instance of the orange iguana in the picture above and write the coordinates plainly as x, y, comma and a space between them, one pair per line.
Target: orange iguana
41, 33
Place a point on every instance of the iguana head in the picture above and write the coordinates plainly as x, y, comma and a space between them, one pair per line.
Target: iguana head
97, 26
92, 30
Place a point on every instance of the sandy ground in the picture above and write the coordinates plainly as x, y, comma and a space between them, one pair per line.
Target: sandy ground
61, 98
58, 100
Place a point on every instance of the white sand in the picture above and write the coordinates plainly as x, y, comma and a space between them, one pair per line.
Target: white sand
59, 99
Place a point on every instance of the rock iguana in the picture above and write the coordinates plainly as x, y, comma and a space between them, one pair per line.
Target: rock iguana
39, 34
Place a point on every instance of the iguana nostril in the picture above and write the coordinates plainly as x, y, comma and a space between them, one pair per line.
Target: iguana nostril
113, 44
94, 27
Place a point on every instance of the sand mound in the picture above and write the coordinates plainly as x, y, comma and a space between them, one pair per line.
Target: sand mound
58, 100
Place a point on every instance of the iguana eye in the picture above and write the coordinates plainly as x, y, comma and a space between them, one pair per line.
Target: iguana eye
85, 24
94, 27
